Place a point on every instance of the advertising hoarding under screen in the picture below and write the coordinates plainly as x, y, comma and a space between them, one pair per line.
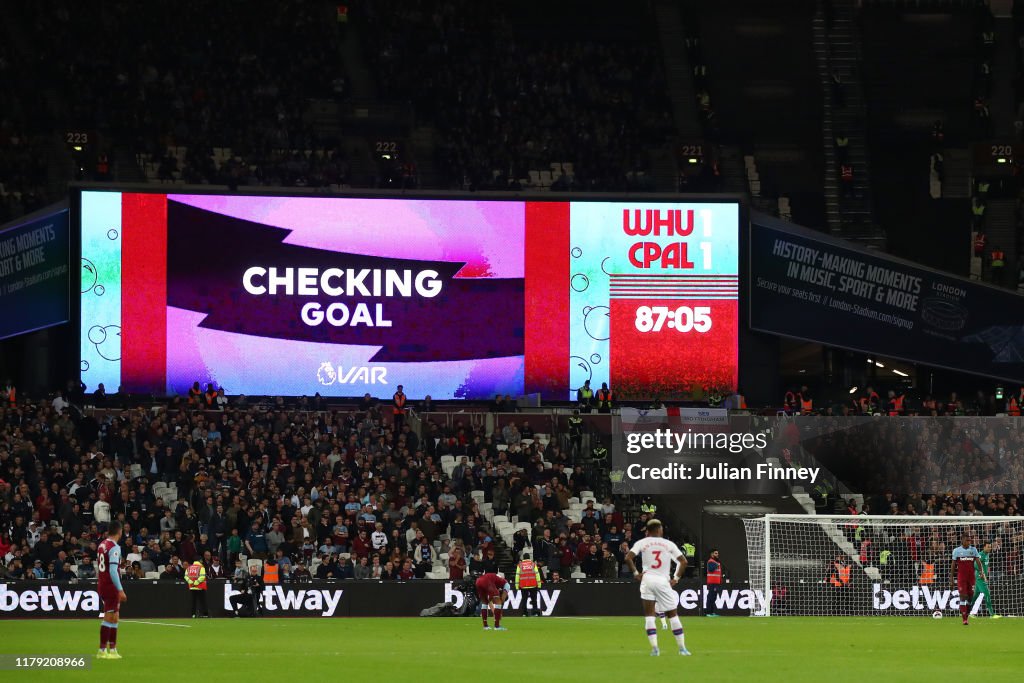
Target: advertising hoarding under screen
807, 286
455, 298
34, 274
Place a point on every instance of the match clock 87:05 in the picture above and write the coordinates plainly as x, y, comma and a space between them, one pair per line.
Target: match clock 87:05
681, 319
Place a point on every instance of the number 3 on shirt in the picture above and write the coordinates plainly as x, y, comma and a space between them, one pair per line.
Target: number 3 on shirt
657, 559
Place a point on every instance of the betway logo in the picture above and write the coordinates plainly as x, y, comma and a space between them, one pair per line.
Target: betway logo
277, 598
48, 599
730, 598
514, 601
920, 598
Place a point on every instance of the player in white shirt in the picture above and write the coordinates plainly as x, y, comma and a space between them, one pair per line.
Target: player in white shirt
657, 590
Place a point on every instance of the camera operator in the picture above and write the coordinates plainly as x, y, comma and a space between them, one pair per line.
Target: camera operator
250, 593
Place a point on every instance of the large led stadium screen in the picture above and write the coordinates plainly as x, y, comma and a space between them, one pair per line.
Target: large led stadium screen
455, 298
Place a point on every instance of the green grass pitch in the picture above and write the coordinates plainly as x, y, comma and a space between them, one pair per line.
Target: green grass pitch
547, 649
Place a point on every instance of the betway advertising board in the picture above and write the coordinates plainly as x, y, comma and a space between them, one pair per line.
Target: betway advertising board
328, 599
153, 599
809, 286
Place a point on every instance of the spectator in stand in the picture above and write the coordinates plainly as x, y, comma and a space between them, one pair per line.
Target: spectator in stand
172, 571
510, 434
256, 542
488, 562
362, 569
330, 477
456, 564
86, 569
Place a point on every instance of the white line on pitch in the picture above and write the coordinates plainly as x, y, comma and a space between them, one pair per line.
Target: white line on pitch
155, 623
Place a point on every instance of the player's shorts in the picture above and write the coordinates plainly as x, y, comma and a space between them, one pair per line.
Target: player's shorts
966, 589
660, 591
111, 600
486, 593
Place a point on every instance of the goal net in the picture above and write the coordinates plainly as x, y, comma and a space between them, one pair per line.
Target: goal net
843, 565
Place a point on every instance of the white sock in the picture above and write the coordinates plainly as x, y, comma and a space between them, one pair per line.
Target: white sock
652, 631
677, 631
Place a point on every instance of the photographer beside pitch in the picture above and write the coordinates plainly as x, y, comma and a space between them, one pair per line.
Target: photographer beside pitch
657, 591
250, 591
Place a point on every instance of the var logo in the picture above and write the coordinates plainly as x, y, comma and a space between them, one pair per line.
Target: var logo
515, 600
327, 375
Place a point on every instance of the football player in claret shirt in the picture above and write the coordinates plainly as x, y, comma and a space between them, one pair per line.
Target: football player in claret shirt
108, 565
492, 589
965, 559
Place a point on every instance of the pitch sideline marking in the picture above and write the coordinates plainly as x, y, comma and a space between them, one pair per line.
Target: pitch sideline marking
155, 623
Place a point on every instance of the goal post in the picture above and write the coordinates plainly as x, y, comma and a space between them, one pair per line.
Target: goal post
865, 565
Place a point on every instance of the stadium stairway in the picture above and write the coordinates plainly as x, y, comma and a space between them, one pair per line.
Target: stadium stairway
1001, 228
1004, 70
352, 54
838, 52
766, 98
126, 168
917, 70
678, 70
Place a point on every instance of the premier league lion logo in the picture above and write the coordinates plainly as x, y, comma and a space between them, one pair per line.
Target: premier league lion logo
326, 374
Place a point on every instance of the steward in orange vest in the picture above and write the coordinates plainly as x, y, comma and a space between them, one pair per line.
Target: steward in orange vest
806, 402
399, 408
1012, 407
869, 403
895, 403
604, 399
528, 580
841, 574
271, 572
195, 577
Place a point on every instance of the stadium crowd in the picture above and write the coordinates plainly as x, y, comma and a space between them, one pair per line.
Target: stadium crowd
22, 142
966, 455
331, 494
238, 103
909, 553
522, 95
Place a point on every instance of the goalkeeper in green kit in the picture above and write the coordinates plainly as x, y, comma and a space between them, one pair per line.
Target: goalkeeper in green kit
980, 583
